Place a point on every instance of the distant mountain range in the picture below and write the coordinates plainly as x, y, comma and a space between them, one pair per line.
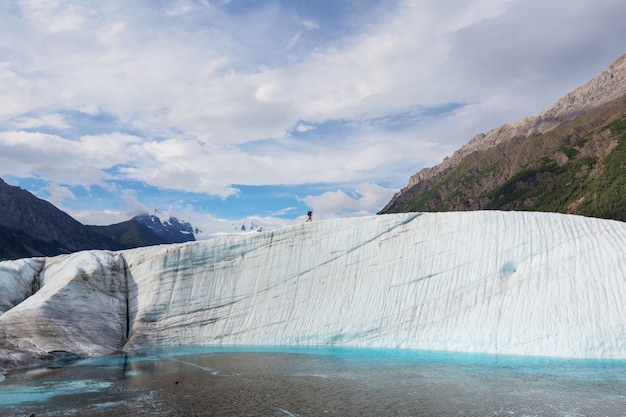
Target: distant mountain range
569, 158
30, 226
147, 230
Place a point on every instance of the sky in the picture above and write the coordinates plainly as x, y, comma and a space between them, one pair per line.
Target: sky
231, 112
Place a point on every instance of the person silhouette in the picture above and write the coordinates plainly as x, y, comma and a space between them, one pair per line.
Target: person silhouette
310, 216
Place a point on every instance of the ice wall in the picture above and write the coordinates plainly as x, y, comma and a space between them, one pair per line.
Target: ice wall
495, 282
78, 307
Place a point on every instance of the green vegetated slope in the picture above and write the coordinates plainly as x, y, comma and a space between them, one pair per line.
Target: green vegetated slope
577, 168
129, 234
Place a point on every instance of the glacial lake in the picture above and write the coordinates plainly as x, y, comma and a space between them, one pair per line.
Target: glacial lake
262, 381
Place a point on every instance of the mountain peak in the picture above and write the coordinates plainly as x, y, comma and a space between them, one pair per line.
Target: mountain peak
509, 144
607, 86
171, 230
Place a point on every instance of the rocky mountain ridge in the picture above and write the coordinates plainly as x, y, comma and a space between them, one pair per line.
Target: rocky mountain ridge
172, 230
601, 100
32, 227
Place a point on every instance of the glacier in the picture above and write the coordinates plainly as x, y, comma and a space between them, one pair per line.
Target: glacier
520, 283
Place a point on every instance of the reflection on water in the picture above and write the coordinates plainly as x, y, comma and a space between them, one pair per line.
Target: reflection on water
200, 381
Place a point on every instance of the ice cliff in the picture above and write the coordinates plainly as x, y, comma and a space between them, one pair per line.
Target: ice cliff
495, 282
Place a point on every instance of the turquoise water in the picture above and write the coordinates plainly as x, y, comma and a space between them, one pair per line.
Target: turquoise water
316, 381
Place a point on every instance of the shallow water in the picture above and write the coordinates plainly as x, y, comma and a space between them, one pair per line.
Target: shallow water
199, 381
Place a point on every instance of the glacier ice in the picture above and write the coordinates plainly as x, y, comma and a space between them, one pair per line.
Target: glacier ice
18, 281
493, 282
79, 309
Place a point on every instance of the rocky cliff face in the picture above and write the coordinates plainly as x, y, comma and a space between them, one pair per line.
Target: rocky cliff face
601, 99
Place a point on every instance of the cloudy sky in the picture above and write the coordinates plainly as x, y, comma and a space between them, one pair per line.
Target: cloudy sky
224, 112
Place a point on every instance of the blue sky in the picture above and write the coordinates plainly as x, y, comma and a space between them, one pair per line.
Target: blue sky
228, 112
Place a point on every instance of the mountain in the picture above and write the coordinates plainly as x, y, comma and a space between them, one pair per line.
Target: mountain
521, 283
147, 230
129, 234
30, 226
16, 244
567, 159
171, 230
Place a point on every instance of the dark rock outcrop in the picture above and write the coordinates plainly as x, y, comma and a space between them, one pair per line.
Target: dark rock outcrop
30, 226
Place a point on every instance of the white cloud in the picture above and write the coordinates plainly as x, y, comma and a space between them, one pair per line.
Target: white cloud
58, 194
294, 41
65, 161
358, 202
98, 217
194, 96
283, 211
309, 24
133, 206
55, 121
18, 95
302, 128
55, 16
179, 8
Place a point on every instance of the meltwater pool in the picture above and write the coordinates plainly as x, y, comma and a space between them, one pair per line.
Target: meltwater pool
201, 381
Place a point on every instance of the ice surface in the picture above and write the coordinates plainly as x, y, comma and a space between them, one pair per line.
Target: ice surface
493, 282
80, 310
18, 281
